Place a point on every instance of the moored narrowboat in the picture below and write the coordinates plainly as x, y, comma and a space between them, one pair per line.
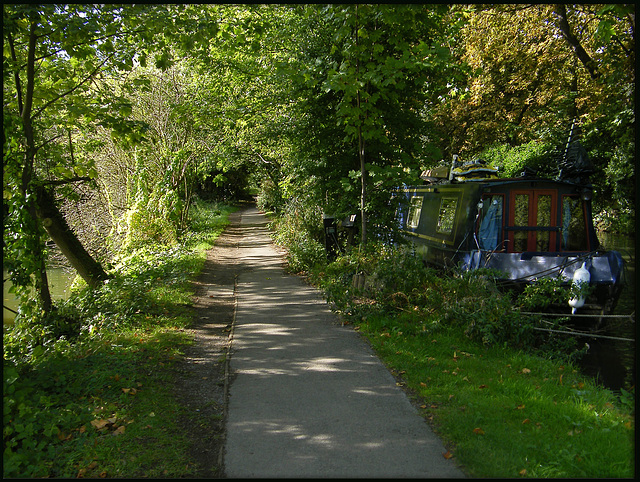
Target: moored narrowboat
525, 228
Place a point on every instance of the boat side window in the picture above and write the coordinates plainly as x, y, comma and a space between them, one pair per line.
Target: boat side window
544, 208
532, 220
447, 215
574, 230
521, 218
415, 209
490, 231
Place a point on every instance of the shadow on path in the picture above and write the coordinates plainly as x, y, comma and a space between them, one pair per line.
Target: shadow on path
309, 398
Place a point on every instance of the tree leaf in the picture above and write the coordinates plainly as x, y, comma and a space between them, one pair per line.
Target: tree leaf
99, 424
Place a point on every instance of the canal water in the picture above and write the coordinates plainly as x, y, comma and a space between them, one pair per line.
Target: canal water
60, 280
613, 362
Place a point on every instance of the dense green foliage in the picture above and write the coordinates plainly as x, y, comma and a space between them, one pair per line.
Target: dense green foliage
535, 69
117, 117
398, 285
320, 109
92, 369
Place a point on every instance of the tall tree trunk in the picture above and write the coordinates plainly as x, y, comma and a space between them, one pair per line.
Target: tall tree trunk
363, 191
41, 279
45, 207
57, 227
363, 170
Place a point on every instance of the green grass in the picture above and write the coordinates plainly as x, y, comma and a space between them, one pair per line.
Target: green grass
100, 402
102, 407
507, 413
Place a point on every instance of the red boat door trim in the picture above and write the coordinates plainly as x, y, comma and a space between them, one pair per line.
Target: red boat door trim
530, 235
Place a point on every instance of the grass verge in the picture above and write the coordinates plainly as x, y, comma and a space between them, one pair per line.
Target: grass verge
504, 412
508, 401
89, 392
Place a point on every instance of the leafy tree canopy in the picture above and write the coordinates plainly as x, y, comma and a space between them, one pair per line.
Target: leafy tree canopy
128, 110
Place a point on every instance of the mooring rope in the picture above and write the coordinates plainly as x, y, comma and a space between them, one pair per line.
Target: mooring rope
580, 333
578, 315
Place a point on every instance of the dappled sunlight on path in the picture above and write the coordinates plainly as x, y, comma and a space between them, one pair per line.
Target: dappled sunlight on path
308, 397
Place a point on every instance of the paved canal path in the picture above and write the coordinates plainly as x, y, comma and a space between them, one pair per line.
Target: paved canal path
308, 398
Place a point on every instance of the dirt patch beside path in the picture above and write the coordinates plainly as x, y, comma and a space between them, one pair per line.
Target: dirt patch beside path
202, 381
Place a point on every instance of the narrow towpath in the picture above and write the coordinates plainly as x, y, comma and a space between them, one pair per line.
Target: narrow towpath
308, 398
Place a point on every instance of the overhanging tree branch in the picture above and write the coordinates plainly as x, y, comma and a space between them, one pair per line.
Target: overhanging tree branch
16, 73
74, 88
563, 24
63, 182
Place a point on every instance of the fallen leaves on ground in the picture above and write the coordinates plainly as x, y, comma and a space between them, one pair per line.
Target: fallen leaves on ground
83, 471
99, 424
106, 425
